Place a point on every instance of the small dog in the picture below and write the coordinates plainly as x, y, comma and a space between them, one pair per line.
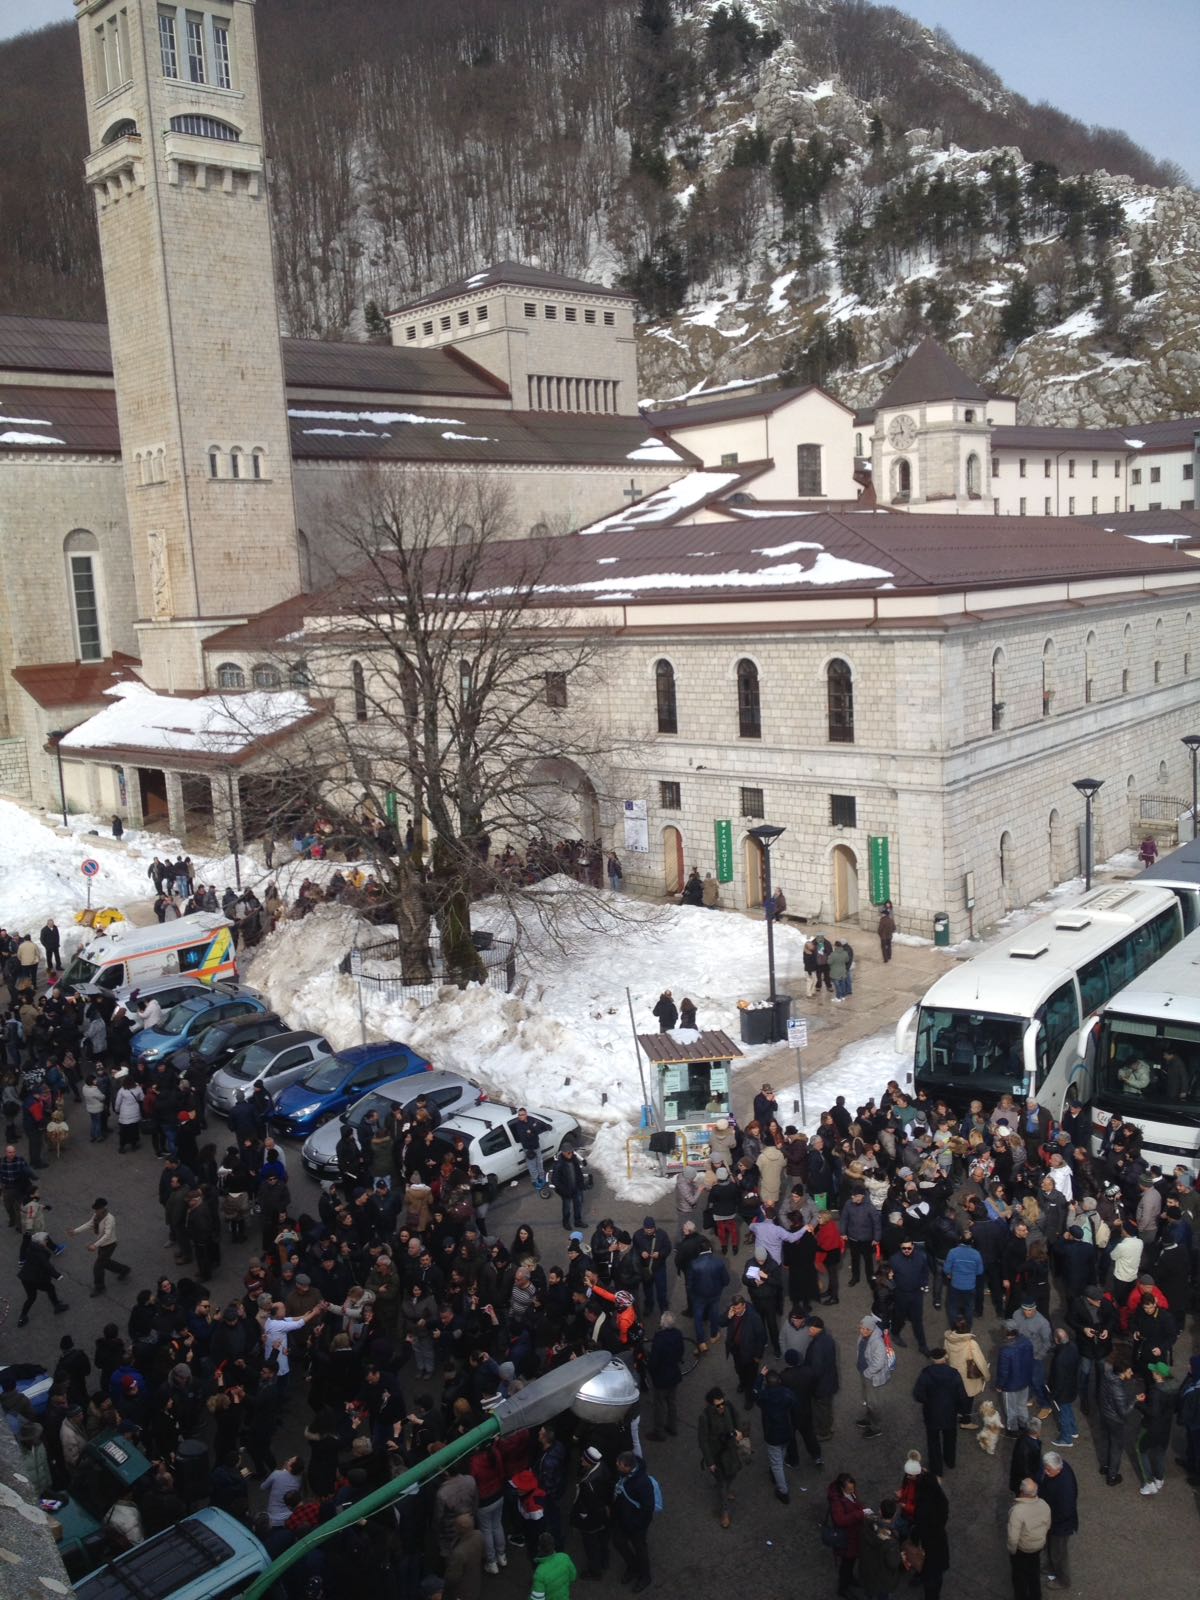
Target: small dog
991, 1427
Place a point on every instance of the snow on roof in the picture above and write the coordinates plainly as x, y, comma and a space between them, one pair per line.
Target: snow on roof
470, 438
13, 436
209, 725
654, 450
665, 503
788, 549
1157, 538
379, 418
826, 569
1136, 444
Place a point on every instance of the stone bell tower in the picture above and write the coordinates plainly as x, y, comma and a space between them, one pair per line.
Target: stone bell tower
177, 168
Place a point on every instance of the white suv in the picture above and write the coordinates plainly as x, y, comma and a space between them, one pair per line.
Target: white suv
492, 1146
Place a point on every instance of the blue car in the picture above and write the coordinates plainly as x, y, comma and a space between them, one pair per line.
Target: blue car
339, 1081
185, 1024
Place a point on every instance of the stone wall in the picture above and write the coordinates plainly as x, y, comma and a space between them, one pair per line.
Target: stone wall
14, 769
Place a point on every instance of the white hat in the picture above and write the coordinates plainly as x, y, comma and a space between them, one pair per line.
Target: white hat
722, 1174
912, 1469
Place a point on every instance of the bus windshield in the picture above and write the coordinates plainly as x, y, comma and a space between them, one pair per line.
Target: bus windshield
981, 1050
80, 971
1146, 1068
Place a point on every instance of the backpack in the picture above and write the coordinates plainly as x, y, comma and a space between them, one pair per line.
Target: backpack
890, 1350
658, 1494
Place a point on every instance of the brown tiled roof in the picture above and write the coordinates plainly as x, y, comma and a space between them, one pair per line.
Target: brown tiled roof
514, 274
551, 438
929, 374
731, 407
1182, 525
666, 1050
385, 369
61, 684
266, 630
1018, 437
52, 344
58, 419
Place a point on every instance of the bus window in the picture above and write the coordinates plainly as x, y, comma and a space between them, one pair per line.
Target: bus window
191, 956
1059, 1018
112, 977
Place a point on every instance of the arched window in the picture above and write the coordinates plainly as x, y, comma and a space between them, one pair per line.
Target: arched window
1048, 655
265, 676
230, 676
82, 551
298, 676
305, 553
123, 129
1089, 668
1127, 659
464, 531
359, 684
204, 128
974, 477
258, 462
664, 697
749, 705
1158, 650
839, 695
539, 530
160, 465
214, 461
901, 479
464, 681
1164, 775
235, 462
1187, 645
998, 663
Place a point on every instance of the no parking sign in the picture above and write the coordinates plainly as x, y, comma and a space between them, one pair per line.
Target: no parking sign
89, 868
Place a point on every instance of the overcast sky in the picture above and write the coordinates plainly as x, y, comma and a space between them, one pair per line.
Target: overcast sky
1125, 65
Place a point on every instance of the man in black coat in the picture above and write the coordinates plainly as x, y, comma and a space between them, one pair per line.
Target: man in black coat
1062, 1385
745, 1342
801, 1381
1059, 1489
942, 1396
821, 1358
568, 1182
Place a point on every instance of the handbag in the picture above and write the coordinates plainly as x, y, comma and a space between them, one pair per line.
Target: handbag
833, 1537
745, 1448
912, 1556
973, 1369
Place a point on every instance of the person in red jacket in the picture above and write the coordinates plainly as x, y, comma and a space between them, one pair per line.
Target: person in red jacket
829, 1255
846, 1516
487, 1467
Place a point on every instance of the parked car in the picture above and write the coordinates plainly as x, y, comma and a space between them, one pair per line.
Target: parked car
491, 1144
170, 991
336, 1083
219, 1044
206, 1556
274, 1061
446, 1092
185, 1024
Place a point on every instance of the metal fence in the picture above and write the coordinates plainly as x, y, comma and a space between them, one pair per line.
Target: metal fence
498, 956
1161, 807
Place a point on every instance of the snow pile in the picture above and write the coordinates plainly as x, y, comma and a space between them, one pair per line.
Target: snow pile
860, 1071
140, 719
667, 503
15, 436
654, 450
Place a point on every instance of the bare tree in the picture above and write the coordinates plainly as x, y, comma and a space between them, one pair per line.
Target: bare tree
456, 693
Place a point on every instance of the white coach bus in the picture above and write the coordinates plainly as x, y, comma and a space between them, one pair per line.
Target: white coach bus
1180, 872
1008, 1022
1141, 1058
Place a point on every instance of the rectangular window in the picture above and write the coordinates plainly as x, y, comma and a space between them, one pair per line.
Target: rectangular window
1071, 506
752, 803
1116, 469
1124, 680
530, 309
1095, 468
1116, 502
1136, 475
464, 318
1155, 474
1155, 505
411, 331
670, 797
445, 322
551, 313
1046, 472
87, 609
569, 313
1158, 672
195, 48
995, 462
729, 459
1070, 468
1021, 467
808, 470
843, 811
589, 314
1021, 506
481, 313
427, 329
556, 689
168, 47
1047, 503
1095, 504
222, 67
609, 319
1188, 468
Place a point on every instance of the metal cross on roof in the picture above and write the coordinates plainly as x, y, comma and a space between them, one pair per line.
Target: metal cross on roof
632, 493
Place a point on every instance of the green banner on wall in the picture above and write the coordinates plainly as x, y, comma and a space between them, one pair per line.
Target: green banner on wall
878, 846
724, 841
390, 804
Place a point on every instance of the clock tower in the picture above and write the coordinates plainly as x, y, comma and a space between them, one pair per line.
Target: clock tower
931, 445
178, 172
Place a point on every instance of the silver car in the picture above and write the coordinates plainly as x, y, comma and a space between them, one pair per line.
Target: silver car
445, 1092
274, 1062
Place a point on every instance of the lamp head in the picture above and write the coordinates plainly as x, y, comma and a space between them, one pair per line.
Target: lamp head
1192, 740
766, 834
1088, 786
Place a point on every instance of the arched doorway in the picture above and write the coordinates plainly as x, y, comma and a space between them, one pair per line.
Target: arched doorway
756, 872
567, 798
1008, 887
845, 883
673, 874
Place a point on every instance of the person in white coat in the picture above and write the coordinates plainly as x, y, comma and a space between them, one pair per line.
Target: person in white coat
127, 1103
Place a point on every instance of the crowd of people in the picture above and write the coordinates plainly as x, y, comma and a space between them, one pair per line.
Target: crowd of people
386, 1320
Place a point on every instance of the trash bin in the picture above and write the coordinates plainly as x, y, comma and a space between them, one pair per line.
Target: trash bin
758, 1023
783, 1011
941, 928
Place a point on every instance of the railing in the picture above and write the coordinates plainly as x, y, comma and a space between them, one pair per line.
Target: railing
1161, 807
497, 956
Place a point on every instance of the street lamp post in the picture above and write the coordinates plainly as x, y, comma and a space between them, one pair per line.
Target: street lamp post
1088, 788
1192, 740
765, 836
596, 1387
56, 738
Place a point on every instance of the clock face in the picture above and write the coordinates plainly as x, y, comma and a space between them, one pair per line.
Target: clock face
902, 431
